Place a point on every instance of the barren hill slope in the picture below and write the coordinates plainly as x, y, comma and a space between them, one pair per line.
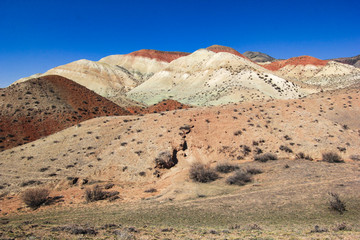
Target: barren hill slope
208, 78
123, 149
313, 71
43, 106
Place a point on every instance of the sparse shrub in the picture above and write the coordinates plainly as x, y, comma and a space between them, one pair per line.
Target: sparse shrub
332, 157
150, 190
246, 150
109, 185
123, 235
285, 149
201, 173
302, 155
95, 194
44, 169
76, 230
239, 178
35, 197
265, 157
355, 157
342, 227
30, 182
254, 171
237, 133
254, 227
318, 229
336, 204
226, 167
165, 160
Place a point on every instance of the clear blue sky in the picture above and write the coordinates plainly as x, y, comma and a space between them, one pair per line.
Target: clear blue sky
36, 35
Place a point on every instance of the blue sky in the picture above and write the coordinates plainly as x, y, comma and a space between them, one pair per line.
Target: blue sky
36, 35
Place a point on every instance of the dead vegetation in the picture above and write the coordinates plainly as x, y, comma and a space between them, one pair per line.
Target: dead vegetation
332, 157
202, 173
165, 160
336, 204
265, 157
97, 193
35, 197
239, 178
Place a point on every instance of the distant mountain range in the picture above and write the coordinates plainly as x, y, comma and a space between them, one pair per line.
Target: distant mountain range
355, 61
212, 76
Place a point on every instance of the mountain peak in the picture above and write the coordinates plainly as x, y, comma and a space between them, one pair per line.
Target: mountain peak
258, 56
219, 48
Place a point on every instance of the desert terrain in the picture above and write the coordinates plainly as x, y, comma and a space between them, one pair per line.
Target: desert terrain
212, 144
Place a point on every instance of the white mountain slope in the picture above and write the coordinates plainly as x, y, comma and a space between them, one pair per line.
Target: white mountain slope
141, 68
208, 78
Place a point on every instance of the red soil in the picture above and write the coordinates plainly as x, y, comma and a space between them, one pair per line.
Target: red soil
159, 55
165, 105
218, 48
302, 60
43, 106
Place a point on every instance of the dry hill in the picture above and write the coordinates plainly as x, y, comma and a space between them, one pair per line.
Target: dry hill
43, 106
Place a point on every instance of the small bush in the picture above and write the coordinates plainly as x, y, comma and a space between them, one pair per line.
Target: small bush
150, 190
95, 194
342, 227
200, 173
239, 178
226, 167
318, 229
336, 204
109, 185
332, 157
165, 160
355, 157
35, 197
265, 157
254, 171
302, 155
285, 149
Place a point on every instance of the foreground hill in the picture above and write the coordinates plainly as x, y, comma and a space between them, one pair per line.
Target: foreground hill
313, 71
119, 148
258, 57
208, 78
288, 198
43, 106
